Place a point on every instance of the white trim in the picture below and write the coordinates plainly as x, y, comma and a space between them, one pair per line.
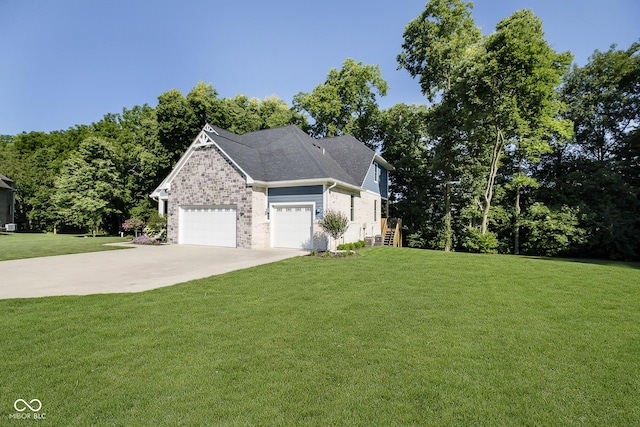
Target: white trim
285, 204
202, 140
383, 162
209, 128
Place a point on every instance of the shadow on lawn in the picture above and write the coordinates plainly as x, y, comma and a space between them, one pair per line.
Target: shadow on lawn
603, 262
89, 236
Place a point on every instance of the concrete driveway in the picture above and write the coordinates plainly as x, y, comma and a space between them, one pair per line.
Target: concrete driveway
127, 270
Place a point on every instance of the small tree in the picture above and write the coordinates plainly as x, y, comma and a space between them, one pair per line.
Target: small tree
334, 223
133, 224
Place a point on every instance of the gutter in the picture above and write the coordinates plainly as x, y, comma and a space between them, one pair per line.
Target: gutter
303, 182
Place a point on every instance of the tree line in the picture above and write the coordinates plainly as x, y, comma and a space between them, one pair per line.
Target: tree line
513, 151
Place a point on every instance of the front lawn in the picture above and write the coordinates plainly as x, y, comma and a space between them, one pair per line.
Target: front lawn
392, 337
33, 245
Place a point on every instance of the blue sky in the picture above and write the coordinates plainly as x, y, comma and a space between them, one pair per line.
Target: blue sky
68, 62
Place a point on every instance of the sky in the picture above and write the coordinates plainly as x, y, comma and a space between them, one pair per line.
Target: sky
70, 62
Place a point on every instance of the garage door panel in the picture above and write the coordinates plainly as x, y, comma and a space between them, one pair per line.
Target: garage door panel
292, 226
208, 225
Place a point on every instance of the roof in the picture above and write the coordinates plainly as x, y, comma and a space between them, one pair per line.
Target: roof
283, 154
287, 154
5, 183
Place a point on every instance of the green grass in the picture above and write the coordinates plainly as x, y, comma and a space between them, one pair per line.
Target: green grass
33, 245
393, 337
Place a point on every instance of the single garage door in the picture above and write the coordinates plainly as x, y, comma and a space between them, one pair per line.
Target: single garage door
208, 225
292, 226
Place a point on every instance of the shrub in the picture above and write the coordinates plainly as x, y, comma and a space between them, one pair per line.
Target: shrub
550, 232
335, 223
351, 246
475, 241
156, 226
145, 240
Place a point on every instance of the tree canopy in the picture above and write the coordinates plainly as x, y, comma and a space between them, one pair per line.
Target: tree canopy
345, 103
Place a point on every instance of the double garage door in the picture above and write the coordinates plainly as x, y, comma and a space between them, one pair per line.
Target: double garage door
208, 225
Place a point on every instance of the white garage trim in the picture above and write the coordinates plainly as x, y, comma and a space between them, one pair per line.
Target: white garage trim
207, 225
292, 225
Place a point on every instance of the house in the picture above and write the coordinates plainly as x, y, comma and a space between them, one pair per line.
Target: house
7, 209
270, 188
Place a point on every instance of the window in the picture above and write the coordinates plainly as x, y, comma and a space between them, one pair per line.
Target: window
353, 207
376, 172
375, 210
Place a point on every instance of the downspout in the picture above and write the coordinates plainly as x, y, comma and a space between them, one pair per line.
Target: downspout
328, 191
157, 200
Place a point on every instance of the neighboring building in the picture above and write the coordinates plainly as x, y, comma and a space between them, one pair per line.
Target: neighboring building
7, 208
269, 189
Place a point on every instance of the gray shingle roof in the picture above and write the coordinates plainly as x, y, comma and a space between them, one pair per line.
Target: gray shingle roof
5, 182
287, 153
352, 154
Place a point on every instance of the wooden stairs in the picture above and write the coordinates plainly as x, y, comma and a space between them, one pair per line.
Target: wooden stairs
389, 237
391, 232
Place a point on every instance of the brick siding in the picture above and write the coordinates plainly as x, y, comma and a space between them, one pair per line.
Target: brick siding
209, 179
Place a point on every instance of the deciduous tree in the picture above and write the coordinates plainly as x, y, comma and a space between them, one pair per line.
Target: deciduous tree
345, 103
508, 88
89, 186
